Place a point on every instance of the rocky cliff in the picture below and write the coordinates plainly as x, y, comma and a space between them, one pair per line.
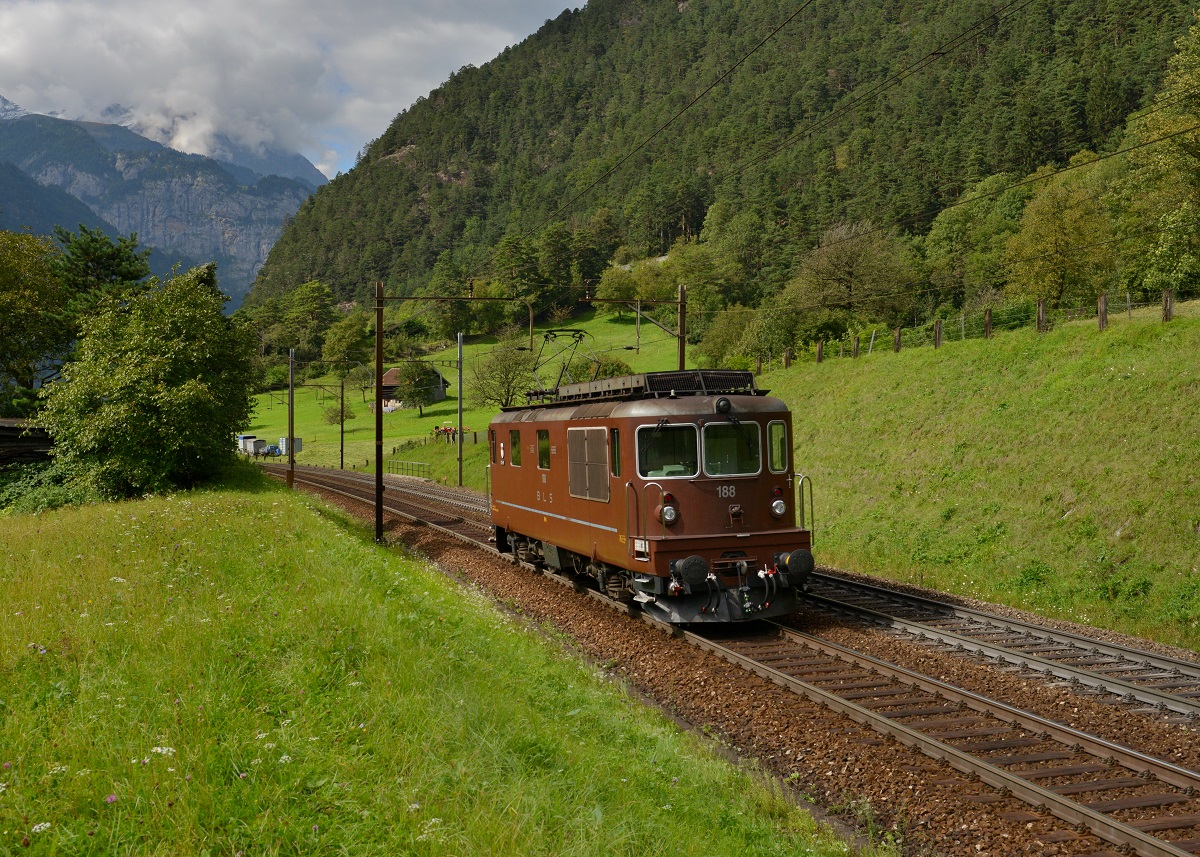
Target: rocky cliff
189, 208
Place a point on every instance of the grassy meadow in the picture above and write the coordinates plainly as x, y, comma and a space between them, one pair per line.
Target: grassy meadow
1055, 472
241, 671
608, 335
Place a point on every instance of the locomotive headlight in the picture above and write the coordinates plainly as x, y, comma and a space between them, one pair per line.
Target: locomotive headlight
778, 508
668, 514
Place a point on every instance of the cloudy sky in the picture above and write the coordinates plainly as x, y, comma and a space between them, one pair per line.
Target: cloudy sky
311, 76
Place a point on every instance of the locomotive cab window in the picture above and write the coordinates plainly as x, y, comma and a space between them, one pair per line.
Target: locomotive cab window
667, 451
777, 451
731, 449
543, 437
514, 443
492, 442
614, 446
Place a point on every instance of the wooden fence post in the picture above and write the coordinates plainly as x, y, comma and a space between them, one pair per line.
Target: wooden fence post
856, 348
1041, 316
758, 366
1168, 304
962, 321
987, 323
1102, 312
1128, 307
896, 340
820, 350
787, 358
937, 333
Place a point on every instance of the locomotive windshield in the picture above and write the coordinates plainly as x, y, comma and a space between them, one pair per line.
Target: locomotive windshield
731, 449
667, 451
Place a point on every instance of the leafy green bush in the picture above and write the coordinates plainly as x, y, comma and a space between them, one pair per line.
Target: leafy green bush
34, 488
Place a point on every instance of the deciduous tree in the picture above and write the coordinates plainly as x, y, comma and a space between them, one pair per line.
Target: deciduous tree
33, 326
158, 388
499, 379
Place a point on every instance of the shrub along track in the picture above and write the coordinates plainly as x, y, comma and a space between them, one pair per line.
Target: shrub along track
877, 780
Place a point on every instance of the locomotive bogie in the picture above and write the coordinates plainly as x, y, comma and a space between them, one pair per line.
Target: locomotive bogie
681, 502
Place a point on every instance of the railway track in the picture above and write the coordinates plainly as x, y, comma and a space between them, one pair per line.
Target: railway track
1159, 682
455, 513
1133, 801
1120, 795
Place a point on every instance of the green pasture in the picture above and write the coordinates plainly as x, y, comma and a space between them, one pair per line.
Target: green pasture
241, 671
1056, 472
409, 436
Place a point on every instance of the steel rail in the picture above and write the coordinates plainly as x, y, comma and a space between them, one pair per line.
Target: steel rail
1091, 644
442, 494
1077, 675
1063, 808
368, 498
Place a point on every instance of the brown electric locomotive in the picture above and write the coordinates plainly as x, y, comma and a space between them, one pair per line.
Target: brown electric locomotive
676, 490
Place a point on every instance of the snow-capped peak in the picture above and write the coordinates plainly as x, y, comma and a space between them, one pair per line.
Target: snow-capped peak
8, 110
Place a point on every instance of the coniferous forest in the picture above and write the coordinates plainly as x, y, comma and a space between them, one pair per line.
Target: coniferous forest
832, 166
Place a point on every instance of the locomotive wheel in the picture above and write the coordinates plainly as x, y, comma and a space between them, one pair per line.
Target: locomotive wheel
616, 587
526, 550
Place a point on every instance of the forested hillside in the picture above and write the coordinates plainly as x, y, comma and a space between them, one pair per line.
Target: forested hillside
831, 148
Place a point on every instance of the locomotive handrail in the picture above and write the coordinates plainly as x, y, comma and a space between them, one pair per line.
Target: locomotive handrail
661, 495
630, 535
487, 483
801, 480
642, 529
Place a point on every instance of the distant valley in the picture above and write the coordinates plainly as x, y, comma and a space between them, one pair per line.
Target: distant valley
189, 208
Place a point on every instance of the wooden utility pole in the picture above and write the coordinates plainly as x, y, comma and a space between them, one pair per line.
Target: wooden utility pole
379, 413
291, 474
682, 327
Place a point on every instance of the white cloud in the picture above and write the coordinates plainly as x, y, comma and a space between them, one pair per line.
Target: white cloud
302, 75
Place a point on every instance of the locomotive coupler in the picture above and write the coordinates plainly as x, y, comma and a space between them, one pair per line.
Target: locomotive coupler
770, 579
714, 594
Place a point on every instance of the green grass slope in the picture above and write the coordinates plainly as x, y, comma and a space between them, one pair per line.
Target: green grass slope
1053, 472
238, 671
647, 349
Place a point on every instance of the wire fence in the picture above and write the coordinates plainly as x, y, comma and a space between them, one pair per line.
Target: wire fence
985, 323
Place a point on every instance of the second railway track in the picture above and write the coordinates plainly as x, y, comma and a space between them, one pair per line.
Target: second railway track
1157, 681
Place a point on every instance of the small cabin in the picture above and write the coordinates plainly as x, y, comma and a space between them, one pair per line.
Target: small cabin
391, 379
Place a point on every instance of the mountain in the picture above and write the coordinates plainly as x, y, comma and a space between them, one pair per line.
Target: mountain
188, 208
26, 205
249, 165
868, 110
